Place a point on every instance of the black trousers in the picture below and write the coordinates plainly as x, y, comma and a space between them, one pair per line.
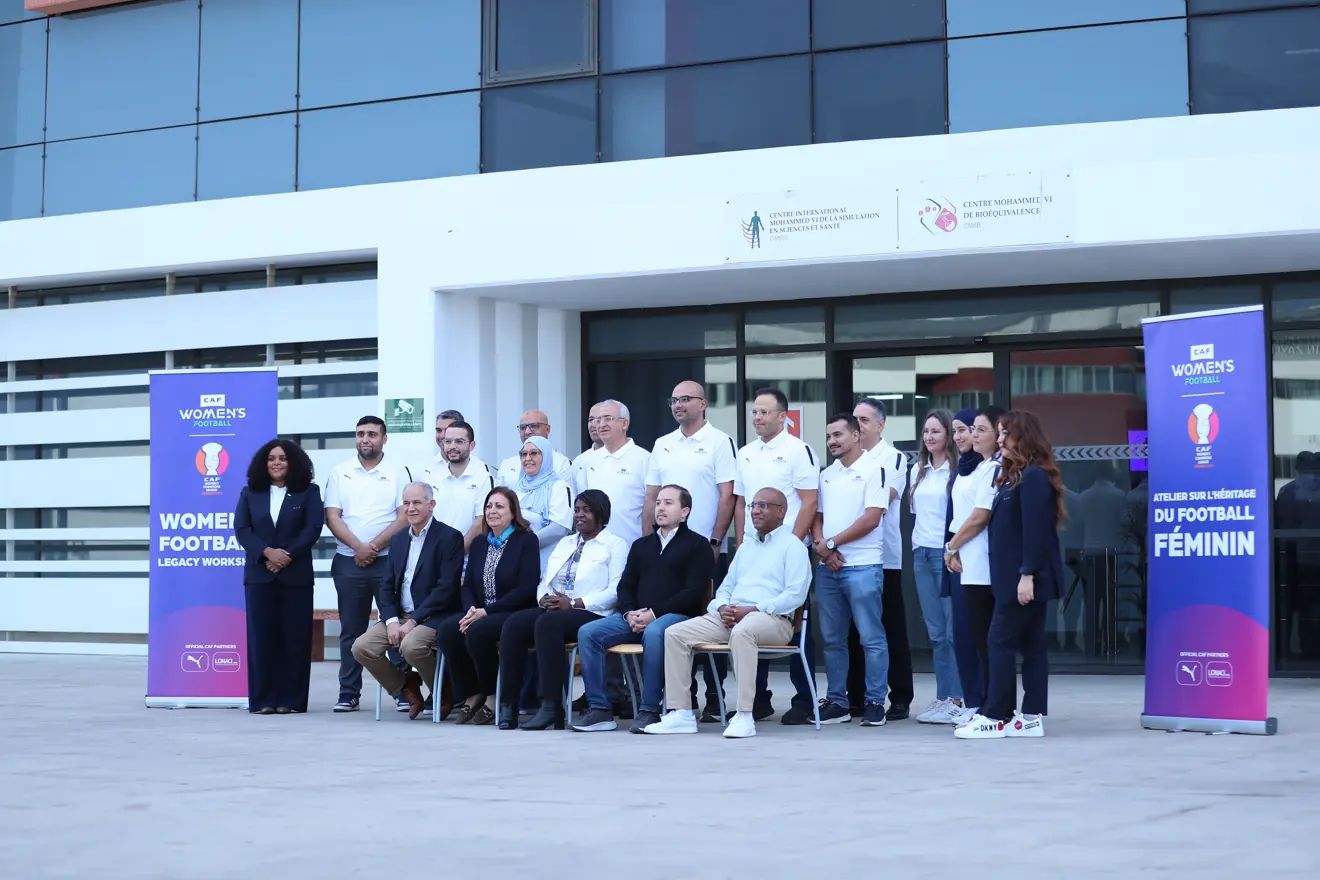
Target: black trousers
893, 616
1017, 629
356, 588
981, 609
279, 653
472, 658
549, 632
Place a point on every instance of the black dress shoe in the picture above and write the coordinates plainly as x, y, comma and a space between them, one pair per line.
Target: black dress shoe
282, 710
549, 714
265, 710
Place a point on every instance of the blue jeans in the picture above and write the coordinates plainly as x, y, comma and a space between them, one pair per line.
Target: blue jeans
853, 594
595, 637
928, 570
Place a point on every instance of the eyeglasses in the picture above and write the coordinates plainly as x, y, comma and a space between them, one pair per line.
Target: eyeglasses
981, 429
531, 426
685, 399
531, 453
602, 420
764, 505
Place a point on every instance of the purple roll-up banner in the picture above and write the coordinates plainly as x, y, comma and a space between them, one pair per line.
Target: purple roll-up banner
205, 427
1208, 561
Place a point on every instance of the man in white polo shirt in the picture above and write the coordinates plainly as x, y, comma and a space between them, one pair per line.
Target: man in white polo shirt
460, 482
364, 510
848, 538
533, 422
778, 460
618, 469
702, 459
870, 414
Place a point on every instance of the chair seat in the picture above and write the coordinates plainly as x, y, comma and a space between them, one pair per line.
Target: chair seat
714, 646
625, 649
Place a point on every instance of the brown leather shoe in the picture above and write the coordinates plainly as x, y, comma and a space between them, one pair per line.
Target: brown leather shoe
412, 692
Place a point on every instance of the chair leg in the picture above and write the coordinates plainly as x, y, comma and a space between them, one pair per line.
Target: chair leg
379, 689
811, 686
499, 683
629, 671
568, 685
437, 687
719, 691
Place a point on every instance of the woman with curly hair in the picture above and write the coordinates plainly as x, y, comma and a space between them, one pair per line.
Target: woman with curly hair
1026, 572
278, 520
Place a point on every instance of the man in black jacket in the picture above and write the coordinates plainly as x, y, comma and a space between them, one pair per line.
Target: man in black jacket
666, 581
426, 562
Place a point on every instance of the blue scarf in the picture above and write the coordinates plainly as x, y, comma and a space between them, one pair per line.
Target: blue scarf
534, 492
498, 540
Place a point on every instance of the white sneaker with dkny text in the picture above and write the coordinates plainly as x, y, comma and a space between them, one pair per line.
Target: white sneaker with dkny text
981, 727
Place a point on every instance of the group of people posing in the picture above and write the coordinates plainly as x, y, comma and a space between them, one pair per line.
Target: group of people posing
692, 545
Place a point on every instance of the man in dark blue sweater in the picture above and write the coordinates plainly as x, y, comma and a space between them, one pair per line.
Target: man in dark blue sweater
666, 581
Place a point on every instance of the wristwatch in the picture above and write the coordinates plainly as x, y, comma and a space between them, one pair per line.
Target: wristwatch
714, 542
829, 544
949, 549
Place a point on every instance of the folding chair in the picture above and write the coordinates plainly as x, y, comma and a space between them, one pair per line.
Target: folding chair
770, 652
435, 688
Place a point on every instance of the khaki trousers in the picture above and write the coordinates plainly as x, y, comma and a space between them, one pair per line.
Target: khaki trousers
757, 628
418, 648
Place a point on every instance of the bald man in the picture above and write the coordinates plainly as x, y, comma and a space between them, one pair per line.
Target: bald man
765, 586
533, 423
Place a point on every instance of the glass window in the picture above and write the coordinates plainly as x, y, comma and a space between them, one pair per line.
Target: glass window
87, 398
249, 58
896, 91
971, 17
20, 183
382, 143
801, 376
246, 157
1199, 299
539, 126
214, 358
96, 365
13, 10
62, 296
352, 53
96, 450
124, 69
712, 109
1096, 74
910, 387
995, 316
646, 385
338, 351
1296, 301
1199, 7
804, 326
22, 84
121, 171
325, 274
672, 332
839, 23
1257, 61
531, 39
668, 33
348, 385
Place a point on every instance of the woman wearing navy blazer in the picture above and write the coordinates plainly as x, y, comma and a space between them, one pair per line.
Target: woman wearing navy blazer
503, 572
278, 520
1026, 572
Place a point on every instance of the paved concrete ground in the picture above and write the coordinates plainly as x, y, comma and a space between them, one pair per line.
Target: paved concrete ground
93, 785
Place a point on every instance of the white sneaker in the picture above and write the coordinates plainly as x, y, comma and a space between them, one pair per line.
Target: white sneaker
742, 725
935, 706
947, 713
981, 727
964, 715
1024, 725
677, 721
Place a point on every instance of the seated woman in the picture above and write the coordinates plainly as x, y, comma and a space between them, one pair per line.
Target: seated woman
577, 587
546, 501
503, 570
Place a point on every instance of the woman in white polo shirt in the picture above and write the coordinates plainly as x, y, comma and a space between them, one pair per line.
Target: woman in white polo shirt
967, 553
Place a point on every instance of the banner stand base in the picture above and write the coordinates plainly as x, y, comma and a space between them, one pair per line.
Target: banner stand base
1268, 727
196, 702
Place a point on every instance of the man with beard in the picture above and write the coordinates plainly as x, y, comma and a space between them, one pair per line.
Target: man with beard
460, 481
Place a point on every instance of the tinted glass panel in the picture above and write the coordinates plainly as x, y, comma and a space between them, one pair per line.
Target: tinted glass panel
539, 126
249, 57
12, 10
399, 140
1198, 299
246, 157
801, 376
712, 109
1005, 315
1129, 71
123, 69
121, 171
661, 33
1196, 7
1297, 301
896, 91
540, 35
805, 326
22, 83
838, 23
701, 330
1258, 61
968, 17
20, 183
353, 52
646, 385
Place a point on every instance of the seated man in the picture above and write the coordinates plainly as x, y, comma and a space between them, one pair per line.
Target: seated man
664, 583
426, 565
766, 584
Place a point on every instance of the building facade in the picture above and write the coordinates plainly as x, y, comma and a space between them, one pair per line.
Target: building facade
939, 204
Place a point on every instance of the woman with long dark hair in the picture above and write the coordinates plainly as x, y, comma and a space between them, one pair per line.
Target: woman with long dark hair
278, 520
1026, 572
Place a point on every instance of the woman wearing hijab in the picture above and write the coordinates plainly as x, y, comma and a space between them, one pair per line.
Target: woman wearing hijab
1026, 572
546, 502
966, 553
